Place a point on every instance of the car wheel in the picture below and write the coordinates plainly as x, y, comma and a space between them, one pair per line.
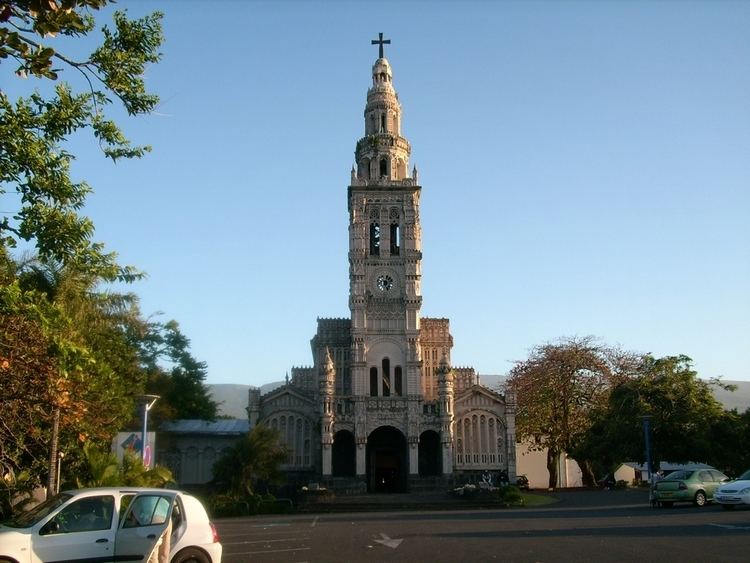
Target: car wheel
700, 499
727, 506
191, 555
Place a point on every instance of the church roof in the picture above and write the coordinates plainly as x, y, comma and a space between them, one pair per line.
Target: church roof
231, 426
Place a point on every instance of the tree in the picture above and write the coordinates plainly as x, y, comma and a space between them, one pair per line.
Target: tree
257, 457
69, 372
558, 387
31, 390
174, 374
101, 469
33, 159
76, 372
729, 435
682, 409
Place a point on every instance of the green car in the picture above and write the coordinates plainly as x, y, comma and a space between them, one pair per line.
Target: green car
690, 485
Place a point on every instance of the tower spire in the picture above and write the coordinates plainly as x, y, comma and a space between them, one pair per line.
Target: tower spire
382, 155
380, 42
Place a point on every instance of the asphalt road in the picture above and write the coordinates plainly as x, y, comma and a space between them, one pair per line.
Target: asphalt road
585, 526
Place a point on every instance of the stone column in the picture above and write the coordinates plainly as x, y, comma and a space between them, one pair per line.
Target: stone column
447, 458
327, 460
510, 421
413, 455
361, 465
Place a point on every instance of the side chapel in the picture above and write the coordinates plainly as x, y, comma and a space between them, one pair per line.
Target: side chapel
382, 409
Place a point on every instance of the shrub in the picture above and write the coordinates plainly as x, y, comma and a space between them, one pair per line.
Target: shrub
511, 495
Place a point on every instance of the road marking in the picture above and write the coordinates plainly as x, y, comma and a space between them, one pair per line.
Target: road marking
269, 525
315, 521
230, 555
385, 540
730, 527
265, 541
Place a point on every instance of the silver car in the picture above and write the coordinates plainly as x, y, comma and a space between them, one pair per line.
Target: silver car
734, 493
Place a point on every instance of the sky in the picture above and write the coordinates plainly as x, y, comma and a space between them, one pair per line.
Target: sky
585, 170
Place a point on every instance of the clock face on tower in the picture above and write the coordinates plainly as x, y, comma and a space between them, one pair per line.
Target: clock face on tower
384, 283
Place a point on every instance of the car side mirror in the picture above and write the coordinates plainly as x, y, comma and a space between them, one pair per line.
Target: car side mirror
51, 527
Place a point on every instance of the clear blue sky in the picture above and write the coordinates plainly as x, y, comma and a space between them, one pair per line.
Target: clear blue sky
585, 170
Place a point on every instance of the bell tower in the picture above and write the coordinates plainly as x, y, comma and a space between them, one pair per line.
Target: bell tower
384, 251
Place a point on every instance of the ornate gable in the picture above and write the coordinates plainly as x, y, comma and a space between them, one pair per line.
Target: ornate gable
478, 397
286, 399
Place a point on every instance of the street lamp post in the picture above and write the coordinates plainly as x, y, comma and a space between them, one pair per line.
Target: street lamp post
147, 401
647, 439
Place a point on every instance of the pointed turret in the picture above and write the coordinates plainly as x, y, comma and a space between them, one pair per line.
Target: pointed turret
445, 399
327, 380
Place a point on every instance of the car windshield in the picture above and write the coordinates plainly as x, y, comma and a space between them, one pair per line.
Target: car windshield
40, 511
679, 475
745, 476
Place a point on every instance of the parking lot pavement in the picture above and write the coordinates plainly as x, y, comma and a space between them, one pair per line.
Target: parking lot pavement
599, 498
602, 526
265, 539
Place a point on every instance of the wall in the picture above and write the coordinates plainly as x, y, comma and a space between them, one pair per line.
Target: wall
533, 464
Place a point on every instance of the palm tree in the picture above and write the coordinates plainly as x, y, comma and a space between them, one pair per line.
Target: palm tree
257, 457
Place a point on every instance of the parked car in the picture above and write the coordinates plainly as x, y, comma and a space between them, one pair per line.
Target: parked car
690, 485
111, 524
522, 482
734, 493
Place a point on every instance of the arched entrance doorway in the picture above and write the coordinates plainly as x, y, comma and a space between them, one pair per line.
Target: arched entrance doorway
344, 454
430, 460
387, 462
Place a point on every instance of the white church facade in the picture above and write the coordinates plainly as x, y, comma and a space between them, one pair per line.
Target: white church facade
381, 408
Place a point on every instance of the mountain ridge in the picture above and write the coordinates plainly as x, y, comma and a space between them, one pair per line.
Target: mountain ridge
232, 397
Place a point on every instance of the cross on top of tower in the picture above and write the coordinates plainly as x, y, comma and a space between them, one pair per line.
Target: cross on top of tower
380, 42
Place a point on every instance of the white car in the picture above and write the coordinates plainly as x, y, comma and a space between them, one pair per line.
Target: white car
112, 524
735, 492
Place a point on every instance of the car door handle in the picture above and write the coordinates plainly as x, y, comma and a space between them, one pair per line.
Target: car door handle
102, 540
151, 536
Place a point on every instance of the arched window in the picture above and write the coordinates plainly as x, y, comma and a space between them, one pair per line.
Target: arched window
298, 443
386, 377
398, 381
373, 382
374, 239
383, 124
363, 170
395, 242
383, 168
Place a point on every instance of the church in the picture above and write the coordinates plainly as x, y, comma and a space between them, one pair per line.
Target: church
382, 409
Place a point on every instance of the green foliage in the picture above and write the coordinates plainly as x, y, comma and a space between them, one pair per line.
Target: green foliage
729, 436
558, 388
101, 469
229, 505
69, 351
15, 490
102, 466
33, 129
683, 416
510, 495
174, 374
256, 458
